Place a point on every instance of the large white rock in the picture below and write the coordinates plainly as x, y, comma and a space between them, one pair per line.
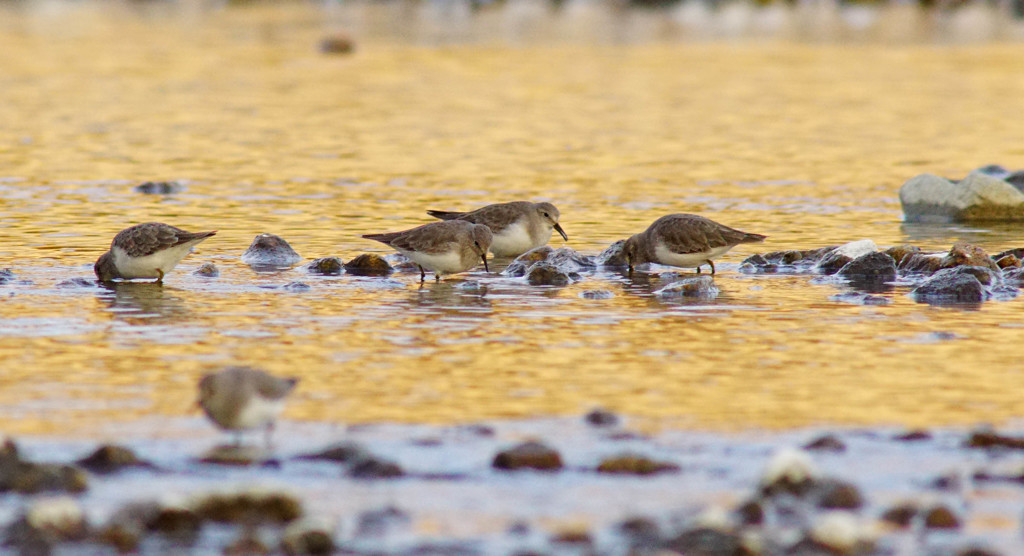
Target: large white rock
979, 196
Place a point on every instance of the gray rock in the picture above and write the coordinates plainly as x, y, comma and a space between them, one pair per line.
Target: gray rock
921, 263
870, 272
339, 453
978, 197
76, 282
6, 276
698, 286
208, 270
371, 467
950, 287
546, 274
839, 257
612, 255
111, 458
297, 287
270, 252
160, 187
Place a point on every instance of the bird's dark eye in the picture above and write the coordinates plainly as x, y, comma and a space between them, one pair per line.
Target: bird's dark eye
546, 215
477, 243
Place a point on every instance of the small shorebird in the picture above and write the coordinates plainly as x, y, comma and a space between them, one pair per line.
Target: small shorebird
684, 240
441, 247
242, 398
146, 251
517, 226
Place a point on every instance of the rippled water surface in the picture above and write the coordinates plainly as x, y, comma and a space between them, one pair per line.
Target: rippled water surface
807, 143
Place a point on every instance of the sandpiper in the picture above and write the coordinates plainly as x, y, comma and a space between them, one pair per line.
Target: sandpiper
684, 240
146, 251
517, 226
242, 398
441, 247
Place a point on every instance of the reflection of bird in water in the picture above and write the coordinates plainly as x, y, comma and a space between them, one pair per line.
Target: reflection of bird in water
146, 301
452, 295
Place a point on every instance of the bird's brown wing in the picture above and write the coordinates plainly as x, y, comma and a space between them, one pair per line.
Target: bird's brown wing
497, 217
688, 233
429, 238
146, 239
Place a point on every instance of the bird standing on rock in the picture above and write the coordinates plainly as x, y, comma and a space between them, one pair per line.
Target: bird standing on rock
684, 240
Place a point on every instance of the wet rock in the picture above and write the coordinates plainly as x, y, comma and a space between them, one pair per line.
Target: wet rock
789, 471
871, 269
562, 260
596, 294
1007, 261
160, 187
860, 298
750, 512
990, 439
378, 523
249, 507
297, 287
826, 443
697, 287
208, 270
923, 263
237, 455
308, 537
529, 455
33, 478
704, 540
833, 494
840, 533
899, 253
612, 255
368, 264
941, 517
270, 251
836, 259
46, 523
1018, 253
916, 435
247, 543
374, 468
6, 276
340, 453
337, 44
579, 536
784, 261
111, 459
900, 515
601, 418
326, 266
632, 464
950, 287
546, 274
978, 197
76, 282
640, 530
965, 254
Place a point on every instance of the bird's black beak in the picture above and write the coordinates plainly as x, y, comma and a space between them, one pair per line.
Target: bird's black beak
561, 232
485, 263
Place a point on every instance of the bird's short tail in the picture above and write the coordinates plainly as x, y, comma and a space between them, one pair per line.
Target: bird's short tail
753, 238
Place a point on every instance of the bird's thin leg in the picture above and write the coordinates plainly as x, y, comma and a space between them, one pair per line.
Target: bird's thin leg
160, 274
712, 265
423, 274
437, 277
698, 269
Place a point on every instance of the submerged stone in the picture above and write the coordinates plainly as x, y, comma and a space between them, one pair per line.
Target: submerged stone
160, 187
6, 276
612, 255
269, 250
371, 467
111, 459
529, 455
632, 464
826, 443
339, 453
368, 264
208, 270
76, 282
601, 418
326, 266
834, 494
546, 274
697, 287
596, 294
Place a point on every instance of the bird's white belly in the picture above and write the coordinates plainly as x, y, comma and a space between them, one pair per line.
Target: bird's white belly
687, 260
146, 267
447, 262
258, 413
515, 240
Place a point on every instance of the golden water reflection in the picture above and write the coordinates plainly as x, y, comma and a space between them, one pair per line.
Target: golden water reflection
807, 144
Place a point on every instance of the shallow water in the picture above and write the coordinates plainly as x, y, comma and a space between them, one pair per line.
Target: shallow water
807, 143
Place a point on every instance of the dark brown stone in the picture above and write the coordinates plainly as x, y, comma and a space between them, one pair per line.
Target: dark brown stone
826, 443
839, 495
913, 436
900, 515
326, 266
989, 439
941, 517
368, 264
249, 507
966, 254
630, 464
337, 44
900, 252
601, 418
374, 468
110, 459
1009, 261
529, 455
